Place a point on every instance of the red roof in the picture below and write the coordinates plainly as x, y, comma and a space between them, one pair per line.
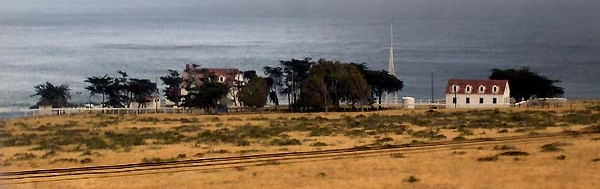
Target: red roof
228, 74
488, 86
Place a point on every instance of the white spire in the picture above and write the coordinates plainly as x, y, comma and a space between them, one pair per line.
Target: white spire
391, 61
391, 98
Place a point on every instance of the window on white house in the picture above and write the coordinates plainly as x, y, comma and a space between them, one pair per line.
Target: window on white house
221, 79
468, 100
454, 100
481, 89
495, 100
480, 100
455, 88
468, 89
495, 89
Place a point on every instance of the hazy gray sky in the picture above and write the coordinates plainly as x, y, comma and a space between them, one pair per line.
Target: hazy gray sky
307, 8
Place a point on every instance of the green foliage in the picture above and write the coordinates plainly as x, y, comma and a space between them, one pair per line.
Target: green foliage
525, 84
274, 79
205, 96
99, 85
254, 93
173, 83
52, 95
141, 90
314, 94
380, 81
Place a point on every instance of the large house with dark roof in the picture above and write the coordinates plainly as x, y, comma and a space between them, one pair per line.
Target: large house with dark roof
471, 93
229, 76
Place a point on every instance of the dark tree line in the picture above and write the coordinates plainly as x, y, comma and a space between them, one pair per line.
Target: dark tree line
121, 91
526, 84
308, 85
324, 84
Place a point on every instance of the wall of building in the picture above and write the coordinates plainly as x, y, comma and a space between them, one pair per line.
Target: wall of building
503, 100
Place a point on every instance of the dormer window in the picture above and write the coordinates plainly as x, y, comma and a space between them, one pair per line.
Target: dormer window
221, 79
481, 89
468, 89
495, 89
455, 88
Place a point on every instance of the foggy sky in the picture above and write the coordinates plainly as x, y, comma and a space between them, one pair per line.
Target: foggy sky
435, 9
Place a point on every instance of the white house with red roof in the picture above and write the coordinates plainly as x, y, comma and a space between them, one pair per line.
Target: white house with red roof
471, 93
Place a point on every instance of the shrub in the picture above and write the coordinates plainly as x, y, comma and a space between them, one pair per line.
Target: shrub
90, 153
221, 151
504, 147
318, 144
459, 138
383, 140
48, 154
23, 156
355, 133
320, 131
593, 129
188, 128
491, 158
596, 160
513, 153
285, 141
412, 179
561, 157
553, 147
63, 160
242, 142
86, 161
428, 134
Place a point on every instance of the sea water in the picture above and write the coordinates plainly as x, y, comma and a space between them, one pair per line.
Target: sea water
65, 48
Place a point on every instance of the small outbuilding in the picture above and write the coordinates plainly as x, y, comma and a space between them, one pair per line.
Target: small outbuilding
471, 93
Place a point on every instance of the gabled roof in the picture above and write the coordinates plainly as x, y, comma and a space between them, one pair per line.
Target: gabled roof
475, 84
228, 73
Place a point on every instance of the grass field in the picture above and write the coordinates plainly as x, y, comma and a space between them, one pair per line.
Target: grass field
85, 140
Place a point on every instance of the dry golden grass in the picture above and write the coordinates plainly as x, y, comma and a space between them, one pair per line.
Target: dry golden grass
437, 169
433, 170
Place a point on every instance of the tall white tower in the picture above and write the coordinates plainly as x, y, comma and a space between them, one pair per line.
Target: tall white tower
391, 61
391, 98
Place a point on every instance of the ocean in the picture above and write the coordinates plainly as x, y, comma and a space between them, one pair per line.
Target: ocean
65, 48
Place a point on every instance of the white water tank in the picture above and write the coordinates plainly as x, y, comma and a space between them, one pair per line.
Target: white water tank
408, 102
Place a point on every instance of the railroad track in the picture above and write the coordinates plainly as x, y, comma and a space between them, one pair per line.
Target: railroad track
45, 175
